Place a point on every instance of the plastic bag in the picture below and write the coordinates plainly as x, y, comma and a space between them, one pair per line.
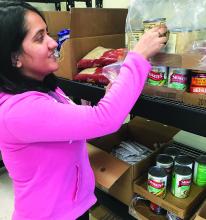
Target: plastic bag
185, 20
112, 71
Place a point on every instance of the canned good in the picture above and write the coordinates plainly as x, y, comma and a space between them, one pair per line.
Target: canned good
134, 37
157, 209
181, 181
200, 171
157, 181
177, 78
172, 151
157, 76
184, 160
62, 36
166, 162
148, 24
198, 82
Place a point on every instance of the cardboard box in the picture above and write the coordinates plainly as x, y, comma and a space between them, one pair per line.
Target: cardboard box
90, 27
115, 176
183, 208
201, 214
185, 60
161, 91
194, 99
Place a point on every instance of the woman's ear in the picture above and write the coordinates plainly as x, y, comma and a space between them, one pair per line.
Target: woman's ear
15, 60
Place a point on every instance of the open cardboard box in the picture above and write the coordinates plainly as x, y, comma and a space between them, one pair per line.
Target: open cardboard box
115, 176
90, 27
183, 208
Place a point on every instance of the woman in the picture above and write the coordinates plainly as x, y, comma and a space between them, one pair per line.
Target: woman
43, 133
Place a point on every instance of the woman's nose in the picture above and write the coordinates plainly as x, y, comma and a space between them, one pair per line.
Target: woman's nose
52, 43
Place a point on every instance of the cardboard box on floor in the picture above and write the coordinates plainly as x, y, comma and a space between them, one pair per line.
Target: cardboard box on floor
115, 176
90, 27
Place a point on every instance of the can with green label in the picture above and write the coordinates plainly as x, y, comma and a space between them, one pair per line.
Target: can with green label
184, 160
157, 181
181, 181
200, 171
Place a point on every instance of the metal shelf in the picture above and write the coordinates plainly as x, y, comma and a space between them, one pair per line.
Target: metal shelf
174, 113
114, 205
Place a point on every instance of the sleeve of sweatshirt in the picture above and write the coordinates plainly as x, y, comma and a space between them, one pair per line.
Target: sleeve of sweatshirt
37, 118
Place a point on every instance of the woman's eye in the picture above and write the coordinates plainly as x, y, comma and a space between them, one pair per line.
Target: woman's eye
40, 38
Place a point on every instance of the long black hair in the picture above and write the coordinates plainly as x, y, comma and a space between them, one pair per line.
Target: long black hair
12, 33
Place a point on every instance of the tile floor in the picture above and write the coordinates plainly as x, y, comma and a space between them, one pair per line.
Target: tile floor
6, 196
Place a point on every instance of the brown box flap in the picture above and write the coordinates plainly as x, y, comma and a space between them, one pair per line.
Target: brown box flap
110, 21
149, 132
56, 21
107, 169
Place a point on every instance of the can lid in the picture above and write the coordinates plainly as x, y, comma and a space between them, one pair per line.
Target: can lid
201, 159
182, 170
181, 30
164, 159
183, 160
172, 151
154, 20
157, 172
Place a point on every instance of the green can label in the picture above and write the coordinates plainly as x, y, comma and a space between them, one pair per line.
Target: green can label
200, 174
157, 186
181, 185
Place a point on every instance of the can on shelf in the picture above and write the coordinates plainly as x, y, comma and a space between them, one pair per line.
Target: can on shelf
166, 162
156, 184
150, 23
199, 177
198, 82
183, 160
181, 181
177, 78
172, 151
157, 76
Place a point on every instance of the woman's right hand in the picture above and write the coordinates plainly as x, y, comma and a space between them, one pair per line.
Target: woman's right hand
151, 42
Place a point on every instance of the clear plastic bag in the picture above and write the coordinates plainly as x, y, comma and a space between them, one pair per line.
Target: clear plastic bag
112, 71
185, 20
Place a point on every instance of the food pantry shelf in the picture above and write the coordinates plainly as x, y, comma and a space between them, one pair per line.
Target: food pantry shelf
183, 208
167, 111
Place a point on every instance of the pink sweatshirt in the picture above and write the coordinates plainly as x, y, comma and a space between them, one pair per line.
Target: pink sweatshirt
43, 144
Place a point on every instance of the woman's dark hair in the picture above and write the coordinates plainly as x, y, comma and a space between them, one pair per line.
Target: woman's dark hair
12, 33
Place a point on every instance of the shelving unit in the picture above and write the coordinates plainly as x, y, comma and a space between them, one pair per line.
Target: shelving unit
69, 3
167, 111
